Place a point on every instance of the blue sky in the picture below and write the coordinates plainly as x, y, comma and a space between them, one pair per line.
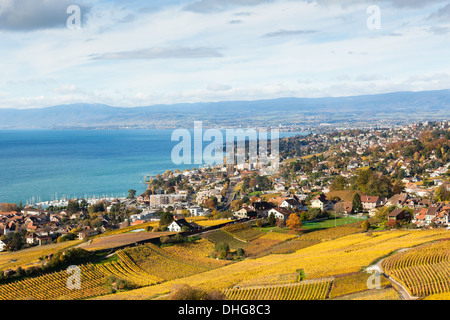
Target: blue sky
138, 53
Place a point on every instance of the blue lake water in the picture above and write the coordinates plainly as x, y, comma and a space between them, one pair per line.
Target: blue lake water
41, 165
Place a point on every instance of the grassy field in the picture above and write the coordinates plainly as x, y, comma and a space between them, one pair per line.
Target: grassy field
268, 196
330, 223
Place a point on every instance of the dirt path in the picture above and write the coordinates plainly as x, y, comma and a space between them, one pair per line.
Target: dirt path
404, 294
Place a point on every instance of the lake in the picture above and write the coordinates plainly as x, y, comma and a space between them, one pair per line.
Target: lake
44, 165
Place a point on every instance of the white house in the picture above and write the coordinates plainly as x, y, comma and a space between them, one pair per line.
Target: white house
177, 225
322, 203
2, 246
280, 213
293, 204
370, 202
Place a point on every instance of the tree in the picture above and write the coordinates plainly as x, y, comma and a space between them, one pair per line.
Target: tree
96, 223
383, 212
15, 241
390, 224
211, 203
365, 226
398, 187
166, 219
294, 222
131, 194
84, 204
442, 194
356, 203
304, 216
271, 220
314, 213
236, 205
73, 206
97, 207
339, 183
221, 250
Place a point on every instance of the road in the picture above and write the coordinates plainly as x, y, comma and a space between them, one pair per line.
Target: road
229, 197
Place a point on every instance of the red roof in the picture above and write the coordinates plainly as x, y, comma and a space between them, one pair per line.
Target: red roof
371, 199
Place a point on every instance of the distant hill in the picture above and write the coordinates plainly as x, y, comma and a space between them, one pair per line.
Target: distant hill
426, 105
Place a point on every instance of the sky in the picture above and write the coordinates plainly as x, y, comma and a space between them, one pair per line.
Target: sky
140, 53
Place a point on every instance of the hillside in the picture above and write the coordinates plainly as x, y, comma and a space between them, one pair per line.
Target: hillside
344, 257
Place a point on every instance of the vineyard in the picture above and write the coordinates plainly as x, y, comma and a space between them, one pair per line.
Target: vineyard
424, 270
128, 270
342, 256
93, 280
174, 262
352, 283
331, 262
306, 290
54, 286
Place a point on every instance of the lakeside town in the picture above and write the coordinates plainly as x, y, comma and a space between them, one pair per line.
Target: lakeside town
399, 176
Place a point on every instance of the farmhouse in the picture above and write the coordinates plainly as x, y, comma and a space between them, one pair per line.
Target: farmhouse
399, 215
280, 213
343, 207
292, 203
245, 212
322, 202
43, 240
398, 200
86, 234
262, 208
177, 225
370, 202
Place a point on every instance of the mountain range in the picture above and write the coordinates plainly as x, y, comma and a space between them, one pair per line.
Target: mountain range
413, 106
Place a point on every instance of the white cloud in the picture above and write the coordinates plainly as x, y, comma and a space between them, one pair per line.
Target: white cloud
173, 55
162, 53
66, 88
218, 87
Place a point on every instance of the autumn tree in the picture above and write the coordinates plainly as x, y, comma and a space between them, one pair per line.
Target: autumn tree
294, 222
365, 226
236, 205
339, 183
442, 193
211, 203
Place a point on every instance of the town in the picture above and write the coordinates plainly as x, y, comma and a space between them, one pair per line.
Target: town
399, 176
